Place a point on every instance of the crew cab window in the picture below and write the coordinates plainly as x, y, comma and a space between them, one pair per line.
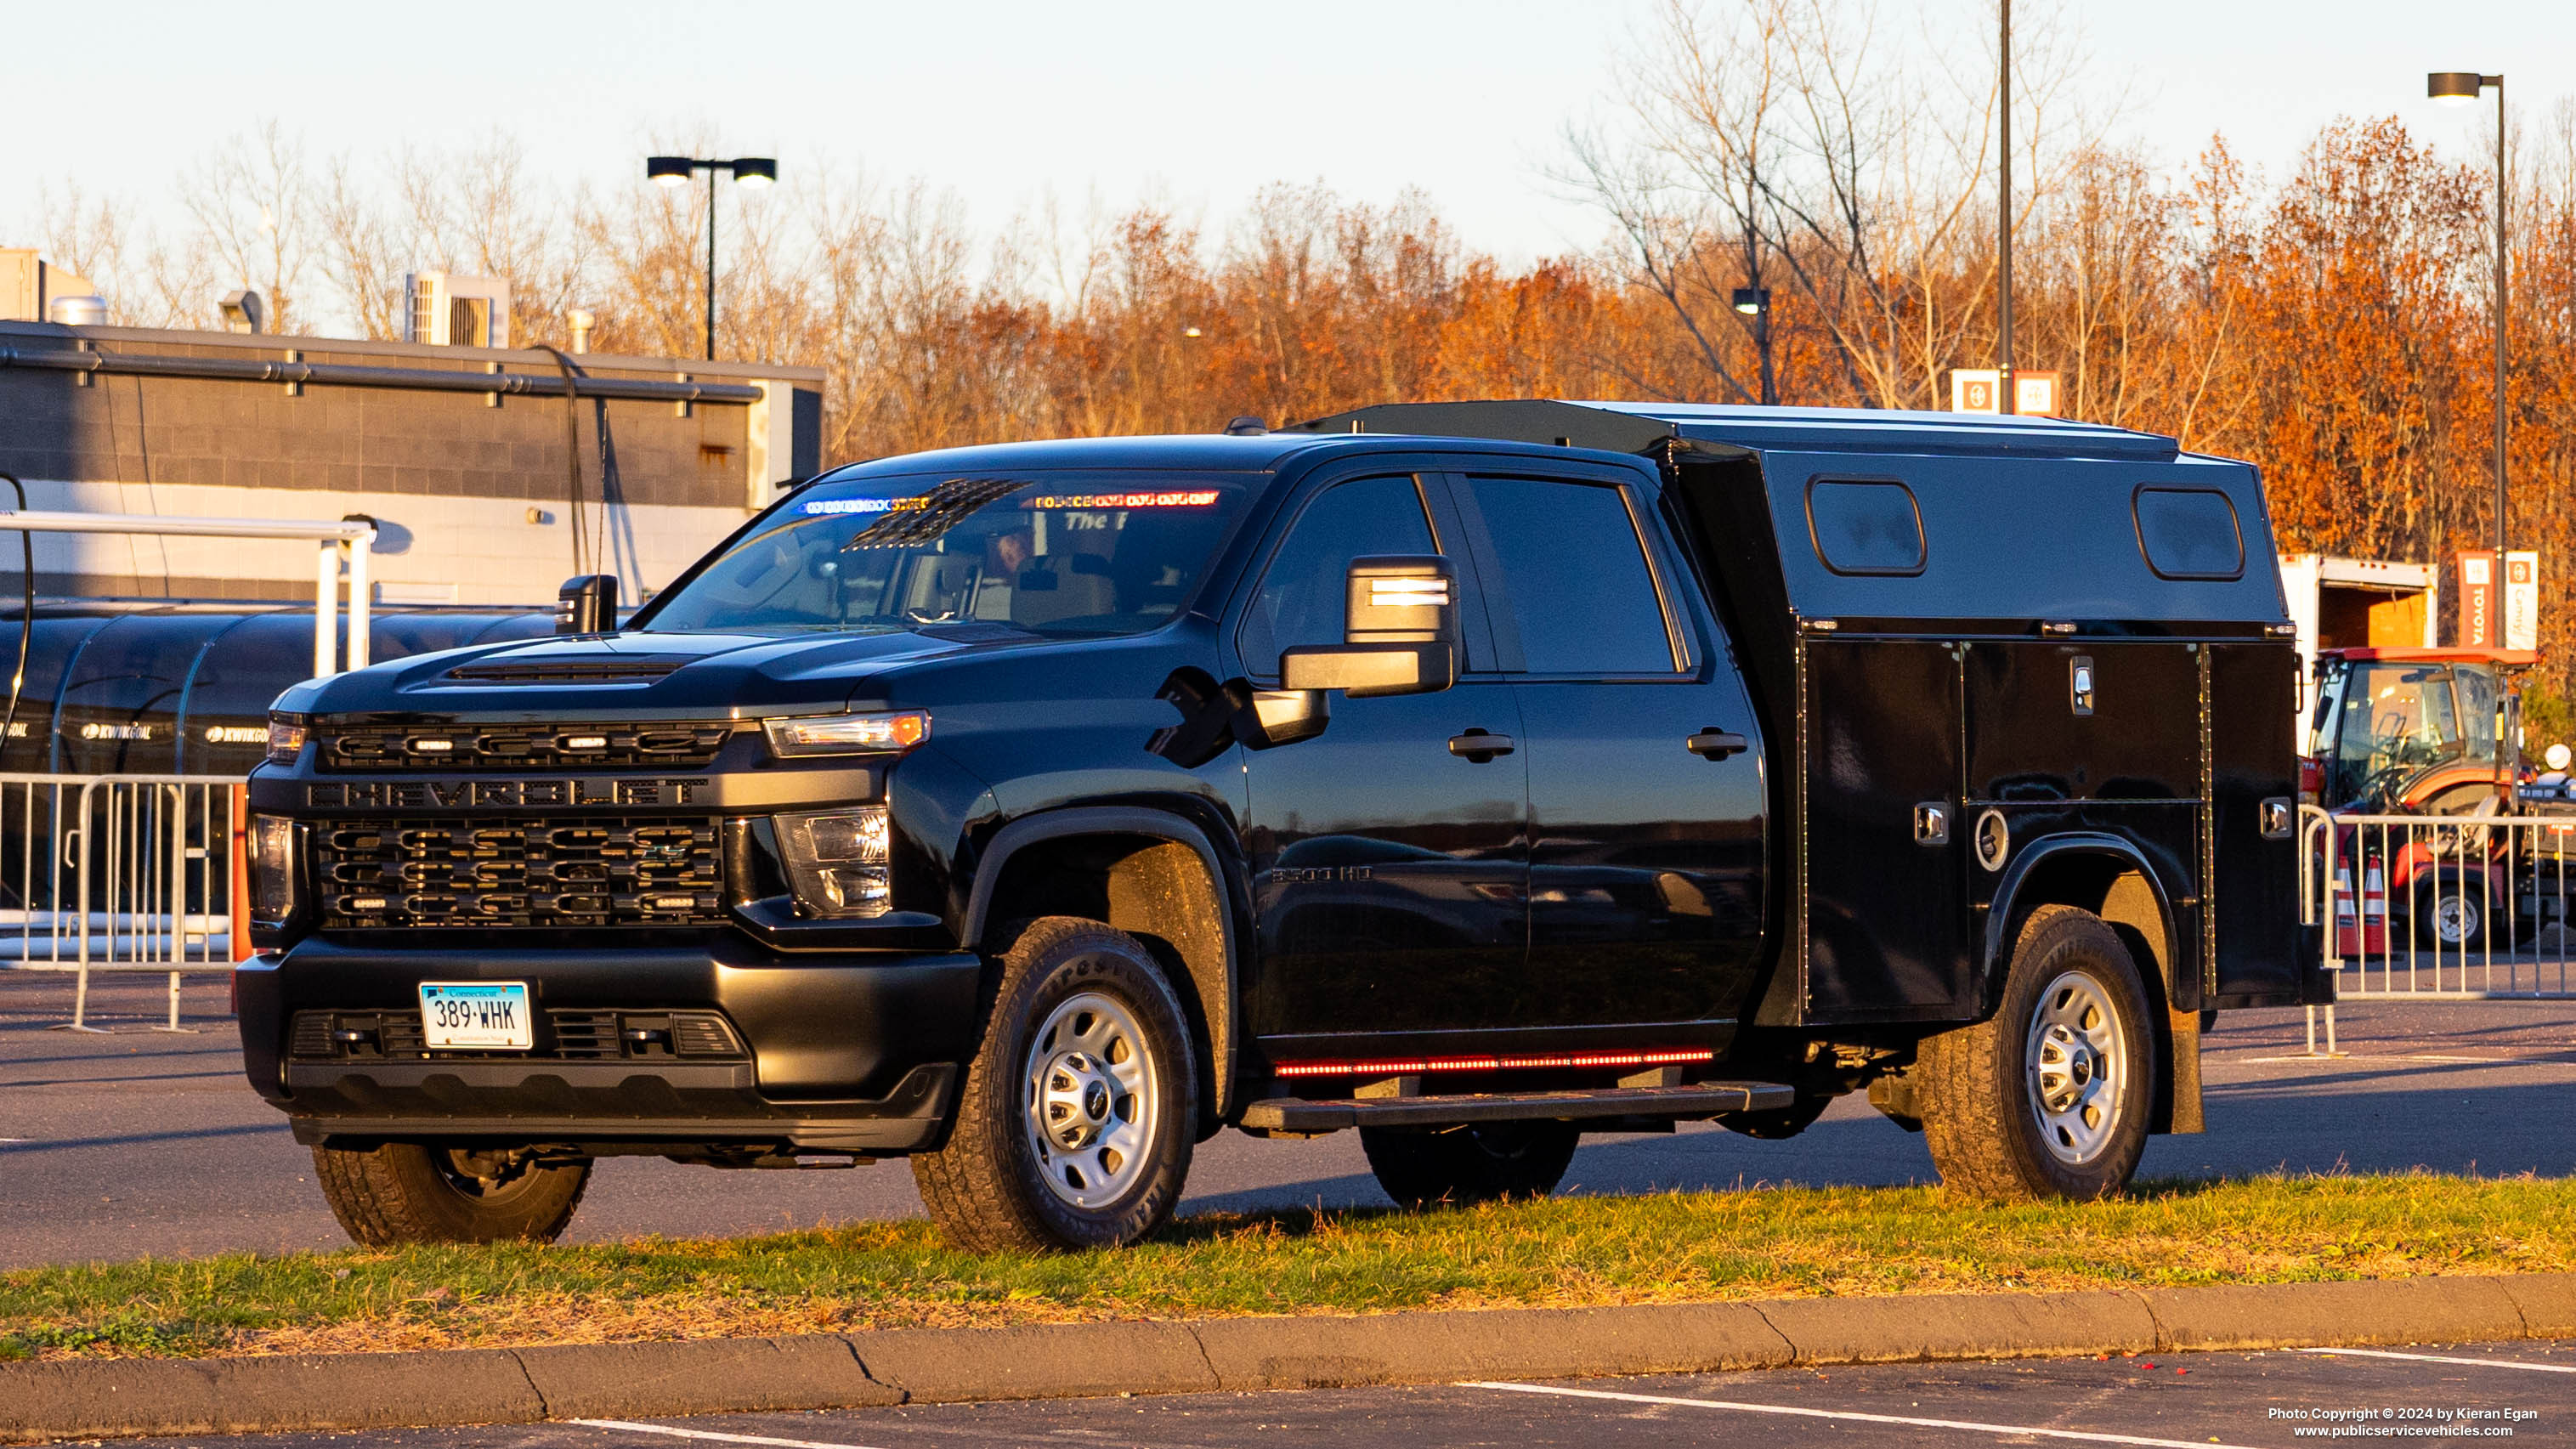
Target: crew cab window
2190, 533
1304, 593
1582, 595
1067, 555
1865, 525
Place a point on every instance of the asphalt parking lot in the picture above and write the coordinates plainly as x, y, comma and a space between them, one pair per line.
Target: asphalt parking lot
139, 1142
2192, 1400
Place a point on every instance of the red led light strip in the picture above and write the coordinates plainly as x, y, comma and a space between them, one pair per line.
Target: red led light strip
1398, 1066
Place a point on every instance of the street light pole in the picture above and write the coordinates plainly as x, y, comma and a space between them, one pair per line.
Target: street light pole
2462, 87
751, 171
2005, 401
711, 264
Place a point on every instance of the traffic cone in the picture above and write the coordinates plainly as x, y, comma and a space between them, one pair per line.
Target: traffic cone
2347, 921
2374, 910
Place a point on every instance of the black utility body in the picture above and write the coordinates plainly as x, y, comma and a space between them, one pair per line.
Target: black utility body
1472, 774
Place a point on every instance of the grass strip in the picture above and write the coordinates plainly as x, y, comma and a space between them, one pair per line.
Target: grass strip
1573, 1251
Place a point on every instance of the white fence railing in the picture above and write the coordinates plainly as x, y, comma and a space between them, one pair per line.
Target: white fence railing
2442, 907
120, 873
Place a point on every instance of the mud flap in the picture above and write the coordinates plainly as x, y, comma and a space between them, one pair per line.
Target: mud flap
2183, 1028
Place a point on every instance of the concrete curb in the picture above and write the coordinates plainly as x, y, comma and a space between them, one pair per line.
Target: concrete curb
129, 1397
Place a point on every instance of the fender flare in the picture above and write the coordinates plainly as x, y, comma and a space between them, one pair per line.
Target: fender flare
1995, 954
1233, 902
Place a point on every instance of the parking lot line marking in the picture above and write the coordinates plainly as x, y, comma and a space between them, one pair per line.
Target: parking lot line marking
2502, 1363
712, 1437
1855, 1416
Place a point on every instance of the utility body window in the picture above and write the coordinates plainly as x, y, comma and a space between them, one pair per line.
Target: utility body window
1865, 525
2190, 533
1304, 593
1581, 594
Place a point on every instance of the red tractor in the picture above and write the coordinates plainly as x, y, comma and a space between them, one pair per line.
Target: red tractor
2431, 733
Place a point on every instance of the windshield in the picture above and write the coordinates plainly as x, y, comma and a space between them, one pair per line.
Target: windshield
1073, 555
2397, 720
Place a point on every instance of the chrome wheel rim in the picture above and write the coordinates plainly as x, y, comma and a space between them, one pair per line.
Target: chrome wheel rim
2077, 1056
1093, 1093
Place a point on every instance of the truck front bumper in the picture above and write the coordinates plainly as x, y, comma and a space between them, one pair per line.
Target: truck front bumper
856, 1052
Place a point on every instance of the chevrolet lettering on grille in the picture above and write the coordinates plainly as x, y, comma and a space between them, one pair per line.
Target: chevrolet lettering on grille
483, 794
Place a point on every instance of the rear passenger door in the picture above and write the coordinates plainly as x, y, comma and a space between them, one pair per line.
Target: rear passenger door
1646, 858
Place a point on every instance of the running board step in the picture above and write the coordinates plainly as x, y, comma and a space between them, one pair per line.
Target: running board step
1700, 1099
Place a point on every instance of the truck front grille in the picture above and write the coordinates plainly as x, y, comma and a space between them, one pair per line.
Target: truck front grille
561, 871
375, 749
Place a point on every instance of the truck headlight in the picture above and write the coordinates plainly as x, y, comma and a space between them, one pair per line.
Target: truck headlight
836, 860
285, 738
849, 734
272, 871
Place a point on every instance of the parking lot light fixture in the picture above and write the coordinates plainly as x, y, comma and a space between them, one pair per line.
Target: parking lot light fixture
752, 171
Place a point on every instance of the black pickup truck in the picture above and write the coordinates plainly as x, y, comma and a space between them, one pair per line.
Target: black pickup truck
1474, 775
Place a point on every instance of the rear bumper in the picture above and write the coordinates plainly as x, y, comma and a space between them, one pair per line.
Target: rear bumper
856, 1052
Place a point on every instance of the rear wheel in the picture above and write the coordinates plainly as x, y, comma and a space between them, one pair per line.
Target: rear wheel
2050, 1096
1480, 1162
1075, 1125
412, 1192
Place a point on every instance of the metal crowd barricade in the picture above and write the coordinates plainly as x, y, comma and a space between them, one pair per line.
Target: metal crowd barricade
2441, 907
128, 873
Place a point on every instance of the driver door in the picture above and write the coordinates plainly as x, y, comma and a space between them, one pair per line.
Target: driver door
1390, 869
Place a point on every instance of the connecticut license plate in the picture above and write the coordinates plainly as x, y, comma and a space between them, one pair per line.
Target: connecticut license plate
485, 1014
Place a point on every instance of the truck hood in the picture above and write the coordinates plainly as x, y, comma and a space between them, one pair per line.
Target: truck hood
692, 675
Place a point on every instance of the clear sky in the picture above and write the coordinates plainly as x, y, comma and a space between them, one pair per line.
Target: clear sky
1198, 103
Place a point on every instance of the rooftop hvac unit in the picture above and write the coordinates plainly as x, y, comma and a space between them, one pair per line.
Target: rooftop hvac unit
446, 310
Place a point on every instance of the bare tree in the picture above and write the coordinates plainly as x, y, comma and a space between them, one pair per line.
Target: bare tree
254, 212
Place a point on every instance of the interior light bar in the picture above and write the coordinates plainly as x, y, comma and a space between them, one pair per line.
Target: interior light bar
1196, 498
1403, 1066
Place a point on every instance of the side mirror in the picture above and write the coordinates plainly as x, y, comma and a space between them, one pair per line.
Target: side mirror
1401, 636
587, 605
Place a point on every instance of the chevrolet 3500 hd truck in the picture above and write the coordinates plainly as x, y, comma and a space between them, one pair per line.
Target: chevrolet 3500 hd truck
1471, 775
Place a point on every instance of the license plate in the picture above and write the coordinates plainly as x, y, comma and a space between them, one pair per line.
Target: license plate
475, 1014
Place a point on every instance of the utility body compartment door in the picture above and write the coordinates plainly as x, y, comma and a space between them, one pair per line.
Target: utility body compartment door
2261, 957
1881, 907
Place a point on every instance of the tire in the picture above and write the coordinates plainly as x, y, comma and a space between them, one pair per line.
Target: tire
412, 1192
1084, 1034
2049, 1098
2451, 914
1459, 1166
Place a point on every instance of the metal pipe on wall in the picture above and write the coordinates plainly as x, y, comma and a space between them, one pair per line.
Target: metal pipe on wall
336, 374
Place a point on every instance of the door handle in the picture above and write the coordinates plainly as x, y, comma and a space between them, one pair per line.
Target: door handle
1717, 744
1479, 746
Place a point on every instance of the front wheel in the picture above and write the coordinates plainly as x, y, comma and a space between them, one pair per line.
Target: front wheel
2049, 1097
2451, 914
412, 1192
1481, 1162
1076, 1121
